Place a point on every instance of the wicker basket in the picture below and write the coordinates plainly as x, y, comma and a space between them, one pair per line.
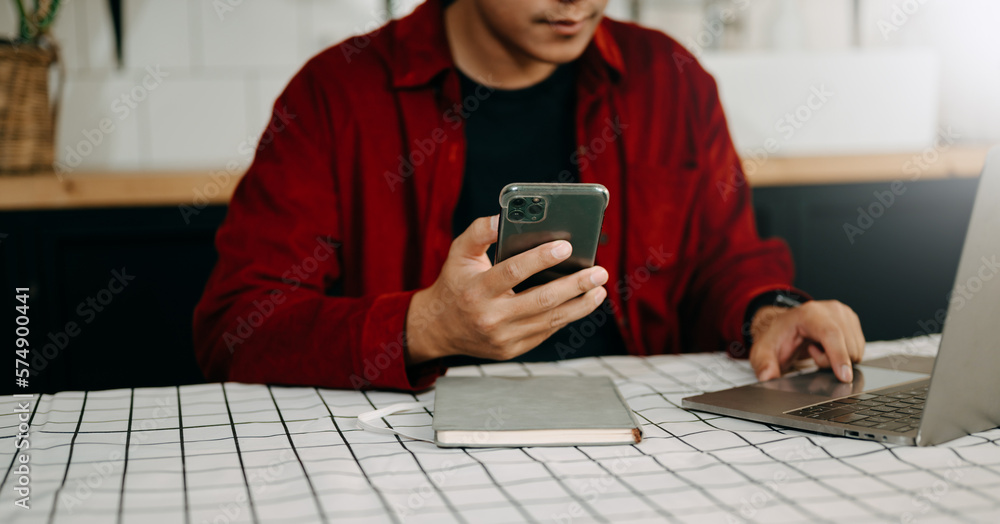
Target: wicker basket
27, 113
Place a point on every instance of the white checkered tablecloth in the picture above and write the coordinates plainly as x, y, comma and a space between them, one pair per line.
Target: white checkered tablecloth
221, 453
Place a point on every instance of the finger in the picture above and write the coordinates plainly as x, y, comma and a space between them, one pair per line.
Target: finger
852, 331
847, 329
788, 361
818, 356
851, 325
859, 334
511, 272
477, 238
570, 311
853, 334
764, 360
801, 352
548, 296
829, 335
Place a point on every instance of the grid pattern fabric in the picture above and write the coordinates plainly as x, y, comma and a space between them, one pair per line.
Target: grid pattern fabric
222, 453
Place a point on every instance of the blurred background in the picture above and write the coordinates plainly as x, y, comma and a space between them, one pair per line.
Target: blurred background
933, 64
863, 125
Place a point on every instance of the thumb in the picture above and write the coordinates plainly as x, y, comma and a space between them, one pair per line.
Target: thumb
477, 238
765, 362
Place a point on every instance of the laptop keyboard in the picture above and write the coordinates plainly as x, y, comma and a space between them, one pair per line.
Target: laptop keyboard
898, 411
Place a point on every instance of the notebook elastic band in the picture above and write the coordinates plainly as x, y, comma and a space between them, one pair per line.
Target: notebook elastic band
365, 419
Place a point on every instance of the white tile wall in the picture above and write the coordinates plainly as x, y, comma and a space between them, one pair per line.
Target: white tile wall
619, 9
404, 7
68, 29
682, 20
965, 33
266, 89
917, 28
95, 34
158, 33
89, 102
227, 68
330, 23
821, 26
827, 25
197, 122
224, 70
7, 20
252, 35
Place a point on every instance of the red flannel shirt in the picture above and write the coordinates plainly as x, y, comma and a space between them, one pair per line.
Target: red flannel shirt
347, 208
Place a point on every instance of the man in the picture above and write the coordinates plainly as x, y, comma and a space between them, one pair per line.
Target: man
352, 255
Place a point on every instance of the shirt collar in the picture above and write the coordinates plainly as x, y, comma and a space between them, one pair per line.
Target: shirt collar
420, 50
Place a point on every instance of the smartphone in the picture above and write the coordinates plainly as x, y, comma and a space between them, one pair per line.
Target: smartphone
534, 214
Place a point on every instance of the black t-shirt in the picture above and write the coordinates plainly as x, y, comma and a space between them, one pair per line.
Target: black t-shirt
527, 135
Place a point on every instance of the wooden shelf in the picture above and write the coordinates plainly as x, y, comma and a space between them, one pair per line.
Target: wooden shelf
114, 190
82, 190
956, 162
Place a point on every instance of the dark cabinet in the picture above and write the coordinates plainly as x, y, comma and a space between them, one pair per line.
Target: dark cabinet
111, 293
898, 271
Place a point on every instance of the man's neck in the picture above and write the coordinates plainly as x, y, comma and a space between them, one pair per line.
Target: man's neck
482, 56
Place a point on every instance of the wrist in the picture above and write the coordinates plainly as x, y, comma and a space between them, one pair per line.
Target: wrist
416, 327
421, 344
783, 299
763, 319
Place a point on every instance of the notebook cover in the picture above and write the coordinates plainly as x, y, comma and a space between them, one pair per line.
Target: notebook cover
529, 403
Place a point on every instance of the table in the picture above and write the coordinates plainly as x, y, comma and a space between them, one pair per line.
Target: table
252, 453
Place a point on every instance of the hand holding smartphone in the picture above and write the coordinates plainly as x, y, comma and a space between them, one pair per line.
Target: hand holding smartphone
534, 214
484, 318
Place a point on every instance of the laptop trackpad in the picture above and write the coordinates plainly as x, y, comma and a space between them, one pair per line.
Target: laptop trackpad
825, 384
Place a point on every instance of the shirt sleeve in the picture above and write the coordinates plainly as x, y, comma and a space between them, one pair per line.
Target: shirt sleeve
733, 264
269, 313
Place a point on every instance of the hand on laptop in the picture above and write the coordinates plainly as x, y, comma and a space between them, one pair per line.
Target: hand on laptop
472, 309
828, 331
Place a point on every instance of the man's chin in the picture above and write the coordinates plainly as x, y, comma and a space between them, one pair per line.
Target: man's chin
560, 53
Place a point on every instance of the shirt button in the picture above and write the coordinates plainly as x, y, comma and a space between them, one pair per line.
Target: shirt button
582, 150
603, 239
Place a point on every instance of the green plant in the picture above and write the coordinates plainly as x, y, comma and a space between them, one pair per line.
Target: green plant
35, 22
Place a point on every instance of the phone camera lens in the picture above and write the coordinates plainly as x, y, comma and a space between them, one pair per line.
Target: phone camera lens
517, 202
535, 209
516, 215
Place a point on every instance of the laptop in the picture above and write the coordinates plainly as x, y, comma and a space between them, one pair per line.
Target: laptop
905, 399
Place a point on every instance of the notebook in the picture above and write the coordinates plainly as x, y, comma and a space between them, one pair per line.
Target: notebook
531, 411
